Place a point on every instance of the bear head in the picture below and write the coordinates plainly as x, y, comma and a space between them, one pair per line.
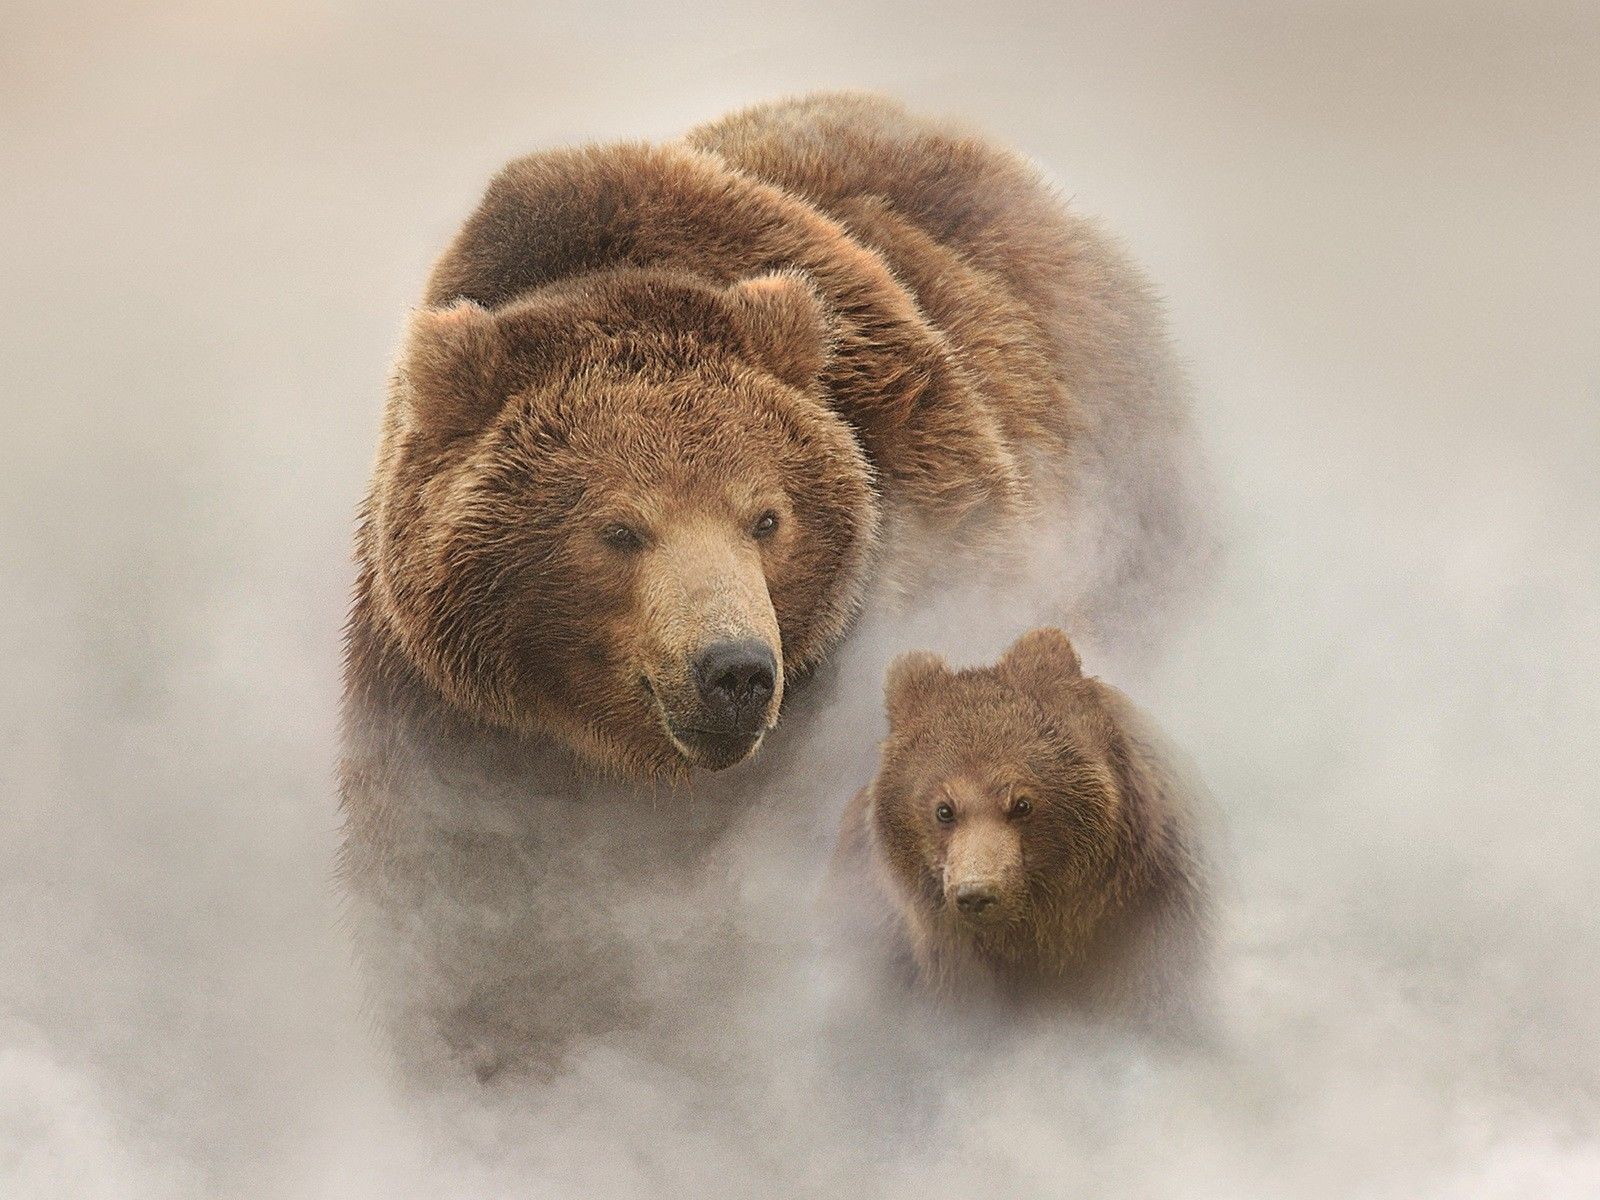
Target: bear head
997, 795
616, 513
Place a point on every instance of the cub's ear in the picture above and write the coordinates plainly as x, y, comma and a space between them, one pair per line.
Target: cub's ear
908, 680
455, 366
1041, 661
783, 325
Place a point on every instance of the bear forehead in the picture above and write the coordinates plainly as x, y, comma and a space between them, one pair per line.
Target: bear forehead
981, 723
975, 702
641, 428
984, 773
620, 394
979, 747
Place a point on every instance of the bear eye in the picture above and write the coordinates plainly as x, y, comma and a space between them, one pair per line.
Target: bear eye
1021, 806
622, 537
944, 814
765, 524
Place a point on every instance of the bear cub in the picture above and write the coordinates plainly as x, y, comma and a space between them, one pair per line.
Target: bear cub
1026, 839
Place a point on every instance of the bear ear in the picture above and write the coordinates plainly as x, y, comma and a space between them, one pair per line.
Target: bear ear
1041, 661
455, 367
907, 682
783, 325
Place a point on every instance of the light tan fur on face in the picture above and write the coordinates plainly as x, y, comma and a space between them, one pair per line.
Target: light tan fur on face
983, 847
702, 582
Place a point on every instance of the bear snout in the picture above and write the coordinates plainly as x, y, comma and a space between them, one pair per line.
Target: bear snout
721, 702
735, 680
977, 899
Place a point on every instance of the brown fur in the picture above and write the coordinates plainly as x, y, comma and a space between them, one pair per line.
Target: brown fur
1097, 889
881, 333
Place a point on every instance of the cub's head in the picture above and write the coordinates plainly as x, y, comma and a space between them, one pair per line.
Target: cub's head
995, 799
615, 512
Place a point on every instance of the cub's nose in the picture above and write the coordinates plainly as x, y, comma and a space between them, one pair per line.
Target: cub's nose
976, 899
735, 680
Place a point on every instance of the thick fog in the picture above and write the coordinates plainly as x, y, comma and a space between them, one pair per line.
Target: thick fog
1378, 230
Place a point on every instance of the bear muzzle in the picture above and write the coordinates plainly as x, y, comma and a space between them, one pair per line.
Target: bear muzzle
976, 899
983, 871
730, 703
710, 653
735, 680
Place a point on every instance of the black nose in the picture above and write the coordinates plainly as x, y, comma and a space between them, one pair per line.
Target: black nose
975, 898
735, 681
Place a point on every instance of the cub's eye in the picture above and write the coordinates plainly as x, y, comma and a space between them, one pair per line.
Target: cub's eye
765, 524
944, 814
1021, 806
622, 537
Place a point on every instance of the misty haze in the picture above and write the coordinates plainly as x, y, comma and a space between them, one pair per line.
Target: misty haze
1376, 233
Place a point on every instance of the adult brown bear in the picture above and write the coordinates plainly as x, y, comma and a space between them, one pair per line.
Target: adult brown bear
667, 415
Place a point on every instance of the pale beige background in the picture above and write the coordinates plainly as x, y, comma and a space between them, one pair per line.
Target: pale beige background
1379, 229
